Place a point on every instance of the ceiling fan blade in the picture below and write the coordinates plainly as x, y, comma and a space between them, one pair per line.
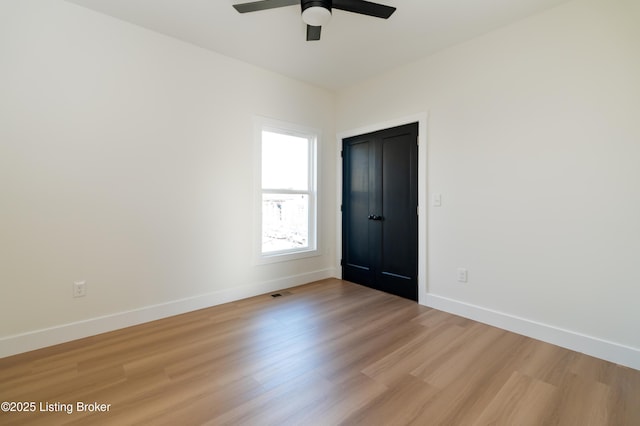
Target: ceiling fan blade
263, 5
313, 33
364, 8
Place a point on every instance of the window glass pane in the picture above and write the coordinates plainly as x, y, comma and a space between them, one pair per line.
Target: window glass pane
285, 161
285, 222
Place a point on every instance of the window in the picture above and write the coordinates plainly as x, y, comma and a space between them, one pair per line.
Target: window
287, 191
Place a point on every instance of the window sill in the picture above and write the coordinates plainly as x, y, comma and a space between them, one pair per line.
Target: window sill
285, 257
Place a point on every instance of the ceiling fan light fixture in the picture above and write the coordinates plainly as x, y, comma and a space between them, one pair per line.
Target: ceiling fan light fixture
316, 16
316, 13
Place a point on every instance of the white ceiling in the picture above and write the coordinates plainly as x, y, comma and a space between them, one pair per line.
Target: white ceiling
353, 47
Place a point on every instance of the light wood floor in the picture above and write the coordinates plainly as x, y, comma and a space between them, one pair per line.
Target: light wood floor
327, 353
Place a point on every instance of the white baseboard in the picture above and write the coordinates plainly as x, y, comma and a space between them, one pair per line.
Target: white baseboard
24, 342
603, 349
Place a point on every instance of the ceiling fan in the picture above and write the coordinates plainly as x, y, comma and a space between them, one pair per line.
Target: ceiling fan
316, 13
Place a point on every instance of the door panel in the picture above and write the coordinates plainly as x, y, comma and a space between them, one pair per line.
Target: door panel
357, 236
399, 208
384, 236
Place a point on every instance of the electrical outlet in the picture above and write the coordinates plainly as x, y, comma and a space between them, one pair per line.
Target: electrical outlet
462, 275
79, 289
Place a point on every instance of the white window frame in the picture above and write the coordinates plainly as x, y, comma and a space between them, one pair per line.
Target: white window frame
312, 135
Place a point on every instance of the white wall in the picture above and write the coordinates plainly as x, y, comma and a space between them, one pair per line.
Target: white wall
126, 161
534, 144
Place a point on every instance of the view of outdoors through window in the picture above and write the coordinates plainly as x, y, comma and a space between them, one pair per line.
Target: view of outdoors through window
285, 192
